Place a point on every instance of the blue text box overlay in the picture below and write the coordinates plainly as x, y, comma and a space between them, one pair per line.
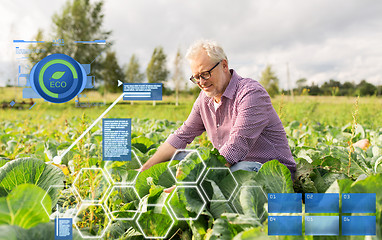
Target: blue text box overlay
358, 203
322, 225
284, 202
142, 91
358, 225
322, 202
116, 139
63, 229
284, 225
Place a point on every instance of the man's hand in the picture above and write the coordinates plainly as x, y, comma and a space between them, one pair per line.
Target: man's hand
228, 165
164, 153
170, 189
143, 168
363, 143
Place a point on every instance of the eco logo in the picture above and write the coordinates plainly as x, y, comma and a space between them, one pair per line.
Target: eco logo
58, 78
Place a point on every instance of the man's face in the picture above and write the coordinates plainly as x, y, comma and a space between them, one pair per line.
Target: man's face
216, 84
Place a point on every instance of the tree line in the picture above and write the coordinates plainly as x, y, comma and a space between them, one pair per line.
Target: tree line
331, 87
82, 20
336, 88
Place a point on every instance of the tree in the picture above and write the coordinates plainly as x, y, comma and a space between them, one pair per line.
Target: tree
331, 87
132, 73
156, 71
111, 73
314, 90
301, 83
366, 89
347, 89
178, 74
80, 20
270, 81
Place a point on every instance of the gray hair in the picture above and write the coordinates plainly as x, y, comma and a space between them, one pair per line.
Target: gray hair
212, 48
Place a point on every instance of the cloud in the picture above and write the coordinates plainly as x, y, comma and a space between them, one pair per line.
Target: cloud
319, 39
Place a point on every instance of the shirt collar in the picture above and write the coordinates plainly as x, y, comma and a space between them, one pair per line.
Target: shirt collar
232, 85
230, 91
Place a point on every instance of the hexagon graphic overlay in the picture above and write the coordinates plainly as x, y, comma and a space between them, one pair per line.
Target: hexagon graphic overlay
123, 172
249, 200
92, 217
189, 196
212, 187
91, 185
123, 202
66, 204
153, 223
186, 166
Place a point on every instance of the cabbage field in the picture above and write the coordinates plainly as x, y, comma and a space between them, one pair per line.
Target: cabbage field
111, 200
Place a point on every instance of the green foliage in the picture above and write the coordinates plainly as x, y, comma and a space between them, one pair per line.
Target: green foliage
336, 88
149, 177
156, 71
320, 150
143, 144
43, 231
77, 20
132, 72
155, 224
301, 83
23, 206
30, 170
111, 73
178, 74
253, 233
371, 184
270, 81
275, 178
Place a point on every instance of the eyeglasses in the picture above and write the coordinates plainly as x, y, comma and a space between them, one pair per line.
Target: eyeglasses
205, 75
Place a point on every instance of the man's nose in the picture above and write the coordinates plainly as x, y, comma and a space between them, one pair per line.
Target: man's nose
202, 81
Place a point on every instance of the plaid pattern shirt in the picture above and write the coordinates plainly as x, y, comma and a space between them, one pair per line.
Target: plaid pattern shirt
244, 127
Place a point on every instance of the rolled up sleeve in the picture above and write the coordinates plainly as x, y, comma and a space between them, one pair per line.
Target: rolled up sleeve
253, 109
190, 129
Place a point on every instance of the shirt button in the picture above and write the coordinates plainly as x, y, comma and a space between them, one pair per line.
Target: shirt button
218, 125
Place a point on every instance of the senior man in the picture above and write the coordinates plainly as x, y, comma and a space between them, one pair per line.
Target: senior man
236, 112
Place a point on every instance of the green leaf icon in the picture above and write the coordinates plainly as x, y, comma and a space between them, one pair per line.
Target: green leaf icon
57, 75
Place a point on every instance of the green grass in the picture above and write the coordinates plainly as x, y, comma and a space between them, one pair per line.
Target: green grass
336, 111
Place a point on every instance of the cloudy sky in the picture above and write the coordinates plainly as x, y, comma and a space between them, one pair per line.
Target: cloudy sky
318, 39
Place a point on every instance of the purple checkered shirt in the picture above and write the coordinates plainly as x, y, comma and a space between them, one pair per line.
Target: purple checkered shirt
244, 127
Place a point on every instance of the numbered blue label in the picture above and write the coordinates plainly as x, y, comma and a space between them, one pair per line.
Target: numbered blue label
284, 225
358, 225
322, 225
358, 203
284, 202
322, 202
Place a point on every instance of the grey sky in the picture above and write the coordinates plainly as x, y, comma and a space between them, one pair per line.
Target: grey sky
320, 39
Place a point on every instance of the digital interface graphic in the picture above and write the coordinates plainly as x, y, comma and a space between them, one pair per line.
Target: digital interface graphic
116, 139
191, 120
58, 78
322, 204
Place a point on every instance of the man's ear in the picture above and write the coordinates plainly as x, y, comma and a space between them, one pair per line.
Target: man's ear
225, 65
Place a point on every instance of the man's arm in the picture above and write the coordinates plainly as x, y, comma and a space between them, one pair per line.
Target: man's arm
184, 135
164, 153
